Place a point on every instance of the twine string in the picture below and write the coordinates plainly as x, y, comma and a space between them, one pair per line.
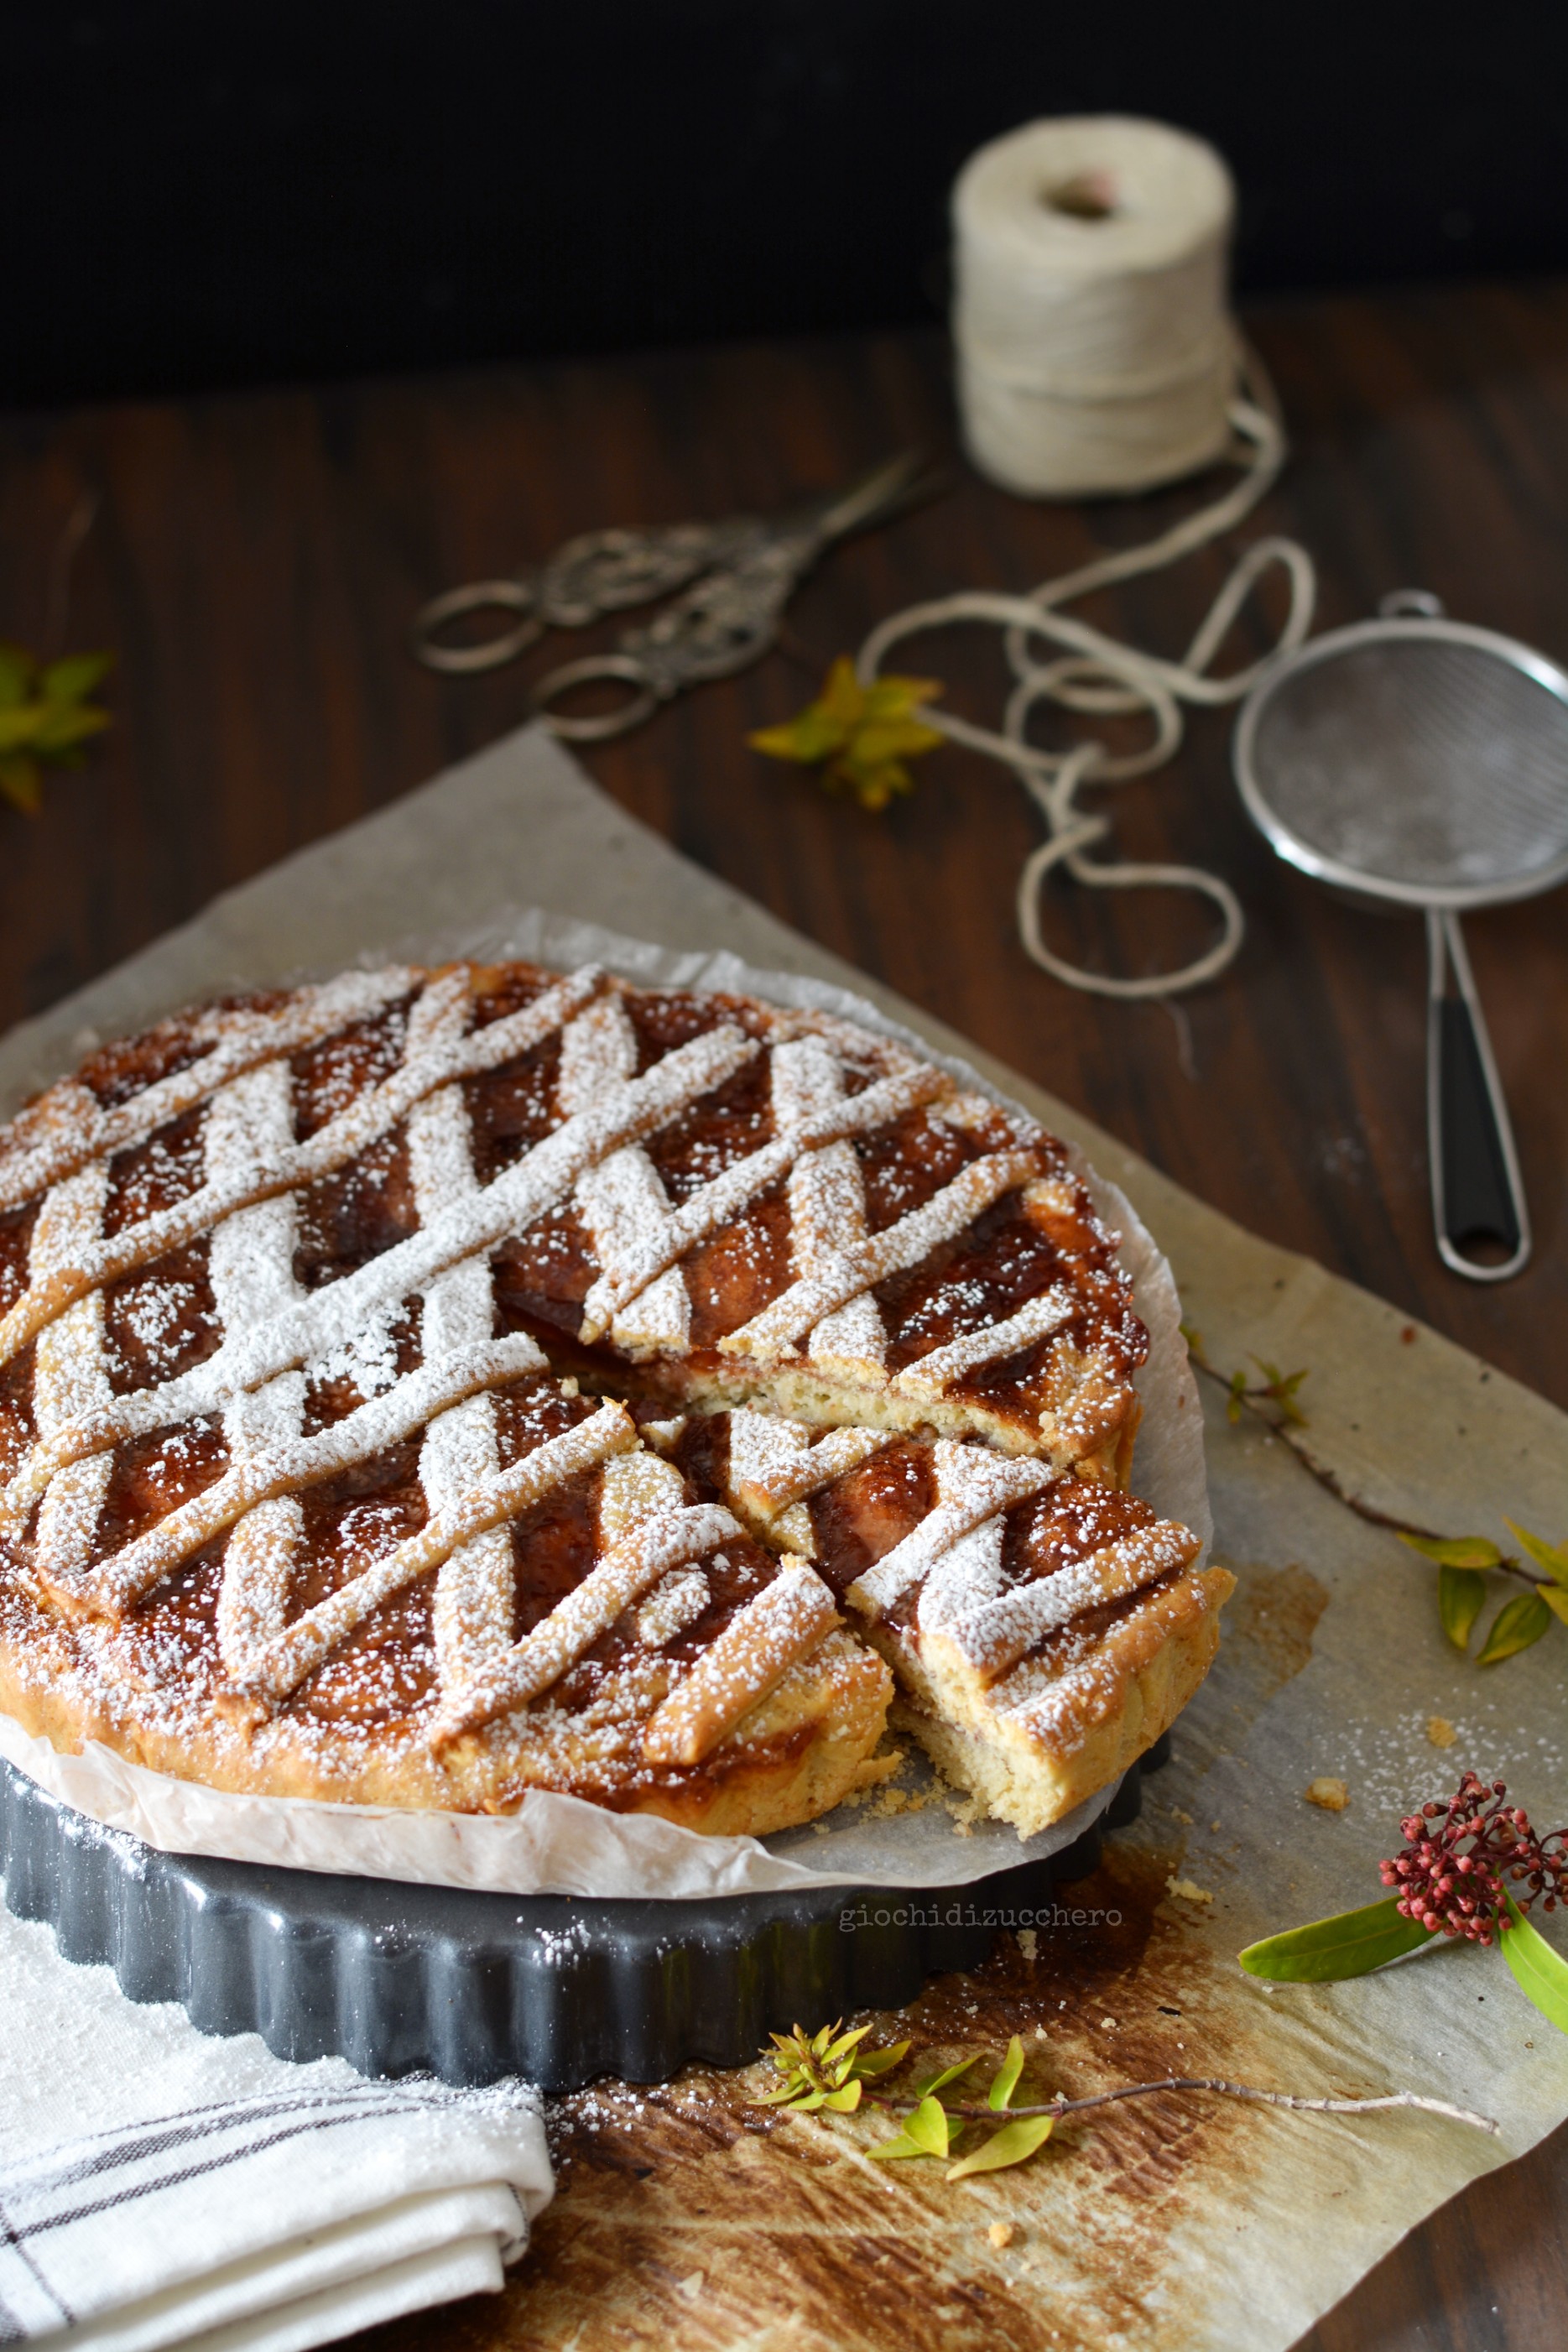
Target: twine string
1092, 673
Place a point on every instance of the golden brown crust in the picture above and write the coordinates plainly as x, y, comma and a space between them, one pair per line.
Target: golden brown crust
1032, 1772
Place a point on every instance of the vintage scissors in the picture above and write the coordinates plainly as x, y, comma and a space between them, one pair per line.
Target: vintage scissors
737, 576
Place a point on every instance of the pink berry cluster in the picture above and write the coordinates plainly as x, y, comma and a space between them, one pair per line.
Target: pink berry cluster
1460, 1856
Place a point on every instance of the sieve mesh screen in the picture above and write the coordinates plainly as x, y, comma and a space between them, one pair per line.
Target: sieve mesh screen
1432, 763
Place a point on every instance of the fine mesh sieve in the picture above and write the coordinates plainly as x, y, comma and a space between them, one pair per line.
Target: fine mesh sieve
1417, 759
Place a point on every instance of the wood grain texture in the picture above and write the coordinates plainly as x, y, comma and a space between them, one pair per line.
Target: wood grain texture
255, 561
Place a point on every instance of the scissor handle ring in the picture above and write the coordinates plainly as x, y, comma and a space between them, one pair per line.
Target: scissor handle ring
463, 661
605, 723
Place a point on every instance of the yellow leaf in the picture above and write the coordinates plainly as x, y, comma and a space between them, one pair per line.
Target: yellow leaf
859, 735
19, 781
890, 739
61, 725
843, 697
808, 739
17, 672
1012, 2145
930, 2127
1517, 1626
1553, 1558
899, 697
20, 724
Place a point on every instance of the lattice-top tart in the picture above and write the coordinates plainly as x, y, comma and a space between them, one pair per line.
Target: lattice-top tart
320, 1316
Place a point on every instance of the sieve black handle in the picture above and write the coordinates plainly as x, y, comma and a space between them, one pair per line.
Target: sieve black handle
1478, 1199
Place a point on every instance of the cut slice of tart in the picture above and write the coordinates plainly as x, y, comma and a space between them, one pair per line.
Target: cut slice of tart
1043, 1629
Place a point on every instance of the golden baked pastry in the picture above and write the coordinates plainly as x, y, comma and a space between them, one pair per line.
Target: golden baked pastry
1043, 1629
299, 1297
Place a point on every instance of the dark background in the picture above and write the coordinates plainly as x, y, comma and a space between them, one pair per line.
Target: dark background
199, 193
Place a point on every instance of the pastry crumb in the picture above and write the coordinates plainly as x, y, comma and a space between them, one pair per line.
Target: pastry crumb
1178, 1815
1000, 2233
1440, 1731
1187, 1891
1029, 1943
1330, 1794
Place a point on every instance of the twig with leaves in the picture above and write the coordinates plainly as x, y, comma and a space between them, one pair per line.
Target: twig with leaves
1469, 1869
831, 2072
1463, 1561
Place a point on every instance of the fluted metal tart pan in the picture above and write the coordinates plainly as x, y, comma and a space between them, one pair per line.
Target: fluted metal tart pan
470, 1986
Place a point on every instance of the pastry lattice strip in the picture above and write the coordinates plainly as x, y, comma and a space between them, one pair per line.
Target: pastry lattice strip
466, 1227
66, 1129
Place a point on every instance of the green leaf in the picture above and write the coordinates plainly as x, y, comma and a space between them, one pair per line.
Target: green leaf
1454, 1551
1350, 1944
1281, 1387
1237, 1397
1541, 1974
1556, 1599
998, 2098
1553, 1558
845, 2101
930, 2128
872, 2062
1518, 1625
891, 2150
18, 673
1461, 1597
73, 680
948, 2074
1011, 2145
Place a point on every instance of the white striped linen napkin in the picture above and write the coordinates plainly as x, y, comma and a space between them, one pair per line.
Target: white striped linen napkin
158, 2187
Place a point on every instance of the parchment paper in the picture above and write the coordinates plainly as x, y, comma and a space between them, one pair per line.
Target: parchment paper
1252, 2226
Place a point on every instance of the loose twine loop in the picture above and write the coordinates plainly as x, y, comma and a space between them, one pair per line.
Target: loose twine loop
1100, 675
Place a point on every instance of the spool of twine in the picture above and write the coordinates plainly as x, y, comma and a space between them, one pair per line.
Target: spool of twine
1095, 349
1097, 353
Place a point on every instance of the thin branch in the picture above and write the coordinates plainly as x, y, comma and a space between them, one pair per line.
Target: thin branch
1064, 2106
1256, 1402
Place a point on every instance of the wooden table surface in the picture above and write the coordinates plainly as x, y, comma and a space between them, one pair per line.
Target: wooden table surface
255, 561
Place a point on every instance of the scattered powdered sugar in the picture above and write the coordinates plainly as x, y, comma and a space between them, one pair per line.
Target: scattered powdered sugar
366, 1359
